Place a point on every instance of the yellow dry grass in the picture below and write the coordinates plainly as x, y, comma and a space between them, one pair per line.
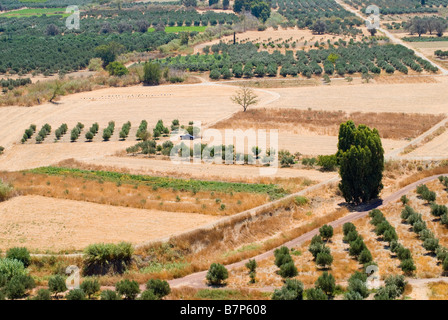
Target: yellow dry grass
438, 291
56, 225
133, 196
390, 125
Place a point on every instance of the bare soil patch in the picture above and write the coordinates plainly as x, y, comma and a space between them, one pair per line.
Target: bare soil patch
395, 97
42, 223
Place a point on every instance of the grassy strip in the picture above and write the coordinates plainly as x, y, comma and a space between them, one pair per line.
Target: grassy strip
181, 29
35, 12
161, 182
425, 39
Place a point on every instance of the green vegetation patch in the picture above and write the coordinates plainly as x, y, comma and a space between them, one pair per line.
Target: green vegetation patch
219, 294
425, 39
35, 12
162, 182
181, 29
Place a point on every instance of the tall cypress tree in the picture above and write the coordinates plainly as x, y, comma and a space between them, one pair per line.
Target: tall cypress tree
361, 158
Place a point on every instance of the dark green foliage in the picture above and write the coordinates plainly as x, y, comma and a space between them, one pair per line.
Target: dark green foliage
288, 270
408, 266
438, 210
347, 227
252, 266
160, 288
109, 52
117, 69
403, 253
351, 236
356, 247
390, 235
17, 286
327, 283
56, 284
324, 259
89, 135
148, 295
102, 258
109, 295
316, 248
152, 73
326, 232
431, 244
397, 280
21, 254
316, 294
129, 289
365, 256
217, 274
282, 256
291, 290
357, 284
404, 199
90, 287
215, 74
426, 194
406, 212
76, 294
387, 293
328, 163
361, 159
441, 253
43, 294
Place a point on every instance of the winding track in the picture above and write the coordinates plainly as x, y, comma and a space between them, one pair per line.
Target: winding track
196, 280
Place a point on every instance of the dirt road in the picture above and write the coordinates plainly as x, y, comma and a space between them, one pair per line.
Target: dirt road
197, 280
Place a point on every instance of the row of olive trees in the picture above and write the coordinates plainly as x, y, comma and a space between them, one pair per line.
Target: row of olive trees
424, 25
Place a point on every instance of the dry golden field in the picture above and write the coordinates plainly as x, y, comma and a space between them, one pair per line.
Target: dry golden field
44, 223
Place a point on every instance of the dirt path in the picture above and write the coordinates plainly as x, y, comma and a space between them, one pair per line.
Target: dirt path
196, 280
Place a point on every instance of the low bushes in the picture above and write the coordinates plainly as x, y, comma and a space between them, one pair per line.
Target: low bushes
387, 231
142, 131
328, 163
43, 133
284, 261
76, 131
321, 253
157, 288
6, 191
109, 131
28, 133
103, 258
56, 285
125, 130
357, 287
426, 194
59, 132
217, 274
20, 254
291, 290
127, 289
394, 288
93, 130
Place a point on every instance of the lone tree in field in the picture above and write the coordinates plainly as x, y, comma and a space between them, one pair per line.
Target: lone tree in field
245, 97
372, 32
217, 274
152, 73
361, 159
